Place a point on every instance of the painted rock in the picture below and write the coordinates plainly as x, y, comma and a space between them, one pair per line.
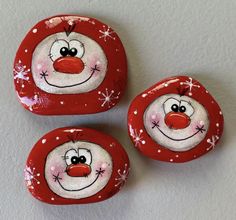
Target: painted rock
176, 120
75, 166
70, 64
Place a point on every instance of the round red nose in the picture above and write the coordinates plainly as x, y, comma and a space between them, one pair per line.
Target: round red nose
78, 170
70, 65
177, 120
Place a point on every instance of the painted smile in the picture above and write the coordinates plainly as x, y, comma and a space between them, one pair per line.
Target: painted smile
44, 76
57, 178
199, 129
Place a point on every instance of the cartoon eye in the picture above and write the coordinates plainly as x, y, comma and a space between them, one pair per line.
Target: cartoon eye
186, 107
85, 156
59, 49
71, 157
76, 48
170, 105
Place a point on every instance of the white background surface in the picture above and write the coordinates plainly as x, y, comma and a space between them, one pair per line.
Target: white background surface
162, 38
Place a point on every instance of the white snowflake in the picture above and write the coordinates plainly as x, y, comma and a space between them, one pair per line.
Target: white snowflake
29, 102
20, 72
190, 85
122, 178
30, 177
212, 141
106, 33
108, 97
137, 137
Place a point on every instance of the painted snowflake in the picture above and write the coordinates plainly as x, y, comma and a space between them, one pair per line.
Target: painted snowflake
190, 85
123, 175
31, 176
212, 141
108, 97
106, 33
30, 102
137, 137
20, 72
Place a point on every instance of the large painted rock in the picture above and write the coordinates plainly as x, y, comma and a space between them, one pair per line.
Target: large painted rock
176, 120
75, 166
70, 64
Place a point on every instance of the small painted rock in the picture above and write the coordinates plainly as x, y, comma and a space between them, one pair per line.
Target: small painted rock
75, 166
176, 120
70, 64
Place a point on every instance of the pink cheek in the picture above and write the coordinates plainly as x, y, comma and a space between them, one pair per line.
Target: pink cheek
196, 124
95, 61
155, 117
103, 166
57, 169
42, 66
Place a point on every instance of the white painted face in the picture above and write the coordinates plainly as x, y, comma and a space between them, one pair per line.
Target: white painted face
176, 122
78, 170
71, 64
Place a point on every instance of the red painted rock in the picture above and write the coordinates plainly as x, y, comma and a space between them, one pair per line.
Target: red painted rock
75, 166
176, 120
70, 64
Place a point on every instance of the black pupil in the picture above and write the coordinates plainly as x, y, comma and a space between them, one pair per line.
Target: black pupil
73, 52
182, 109
64, 51
76, 160
174, 108
82, 159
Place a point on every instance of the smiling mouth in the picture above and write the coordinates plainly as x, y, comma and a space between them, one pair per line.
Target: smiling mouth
44, 76
199, 129
57, 178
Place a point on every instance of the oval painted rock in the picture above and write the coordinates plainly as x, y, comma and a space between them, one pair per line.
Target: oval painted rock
70, 64
176, 120
75, 166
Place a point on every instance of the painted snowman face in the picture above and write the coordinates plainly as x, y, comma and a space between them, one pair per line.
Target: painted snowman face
176, 122
78, 170
68, 63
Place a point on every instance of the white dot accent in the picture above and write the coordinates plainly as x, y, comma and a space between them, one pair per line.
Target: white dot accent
190, 94
159, 151
57, 138
26, 50
43, 141
52, 199
22, 85
177, 155
35, 30
135, 112
220, 112
165, 84
171, 160
99, 197
143, 142
217, 125
144, 95
61, 102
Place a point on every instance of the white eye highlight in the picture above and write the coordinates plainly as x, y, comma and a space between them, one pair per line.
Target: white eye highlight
69, 154
186, 108
171, 105
58, 49
76, 48
85, 156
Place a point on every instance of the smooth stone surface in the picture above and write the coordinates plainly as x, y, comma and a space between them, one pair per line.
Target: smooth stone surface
76, 166
176, 120
69, 64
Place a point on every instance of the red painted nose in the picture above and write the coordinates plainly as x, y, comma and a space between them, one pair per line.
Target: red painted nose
78, 170
70, 65
177, 120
